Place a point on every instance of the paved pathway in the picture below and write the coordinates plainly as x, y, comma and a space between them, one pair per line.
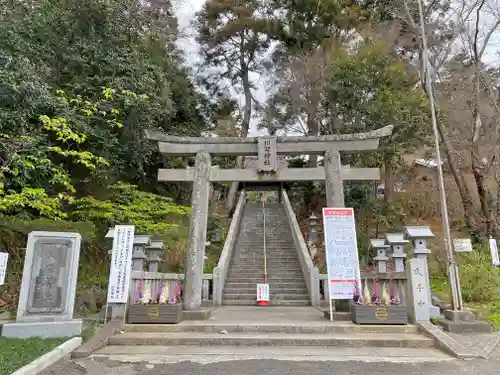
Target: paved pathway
102, 366
207, 360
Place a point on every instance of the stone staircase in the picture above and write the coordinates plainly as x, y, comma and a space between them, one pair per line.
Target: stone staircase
284, 275
287, 329
281, 332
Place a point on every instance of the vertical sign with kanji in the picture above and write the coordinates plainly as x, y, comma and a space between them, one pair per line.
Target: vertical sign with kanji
418, 291
121, 264
4, 257
267, 154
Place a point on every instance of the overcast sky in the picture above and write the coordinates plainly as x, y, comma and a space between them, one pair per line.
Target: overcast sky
186, 9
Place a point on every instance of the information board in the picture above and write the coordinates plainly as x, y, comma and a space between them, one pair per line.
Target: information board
263, 292
121, 264
462, 245
4, 257
341, 250
494, 252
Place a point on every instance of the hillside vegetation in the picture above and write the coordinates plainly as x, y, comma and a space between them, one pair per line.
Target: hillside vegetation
80, 82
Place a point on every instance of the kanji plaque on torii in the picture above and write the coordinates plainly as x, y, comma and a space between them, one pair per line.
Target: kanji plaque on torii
267, 154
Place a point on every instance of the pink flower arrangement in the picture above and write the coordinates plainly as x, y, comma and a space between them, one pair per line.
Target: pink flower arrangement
357, 295
375, 292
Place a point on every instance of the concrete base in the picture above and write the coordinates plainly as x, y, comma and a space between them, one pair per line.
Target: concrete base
99, 339
459, 316
434, 312
25, 330
45, 361
466, 327
338, 316
202, 314
464, 322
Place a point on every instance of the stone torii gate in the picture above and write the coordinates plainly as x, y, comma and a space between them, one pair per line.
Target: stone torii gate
268, 171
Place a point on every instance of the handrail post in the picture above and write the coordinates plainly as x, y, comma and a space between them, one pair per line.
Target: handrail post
264, 230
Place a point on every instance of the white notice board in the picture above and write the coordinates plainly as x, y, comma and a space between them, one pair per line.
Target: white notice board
121, 264
494, 252
341, 250
263, 292
4, 257
462, 245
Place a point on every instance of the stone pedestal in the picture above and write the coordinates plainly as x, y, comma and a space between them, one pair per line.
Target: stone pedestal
26, 330
197, 233
48, 287
334, 184
464, 321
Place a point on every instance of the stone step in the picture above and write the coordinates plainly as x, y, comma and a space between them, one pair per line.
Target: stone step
276, 285
274, 292
252, 302
273, 327
400, 340
259, 278
216, 353
271, 264
256, 239
257, 250
274, 258
270, 258
259, 267
272, 296
272, 274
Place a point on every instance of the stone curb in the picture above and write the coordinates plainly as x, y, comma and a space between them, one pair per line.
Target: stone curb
49, 358
99, 340
445, 342
488, 349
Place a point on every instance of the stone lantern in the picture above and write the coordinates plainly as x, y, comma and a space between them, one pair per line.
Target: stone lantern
397, 241
312, 236
419, 237
381, 258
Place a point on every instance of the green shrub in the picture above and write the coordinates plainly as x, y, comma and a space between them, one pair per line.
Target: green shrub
480, 281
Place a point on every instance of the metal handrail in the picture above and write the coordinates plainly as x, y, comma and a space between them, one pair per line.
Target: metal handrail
264, 232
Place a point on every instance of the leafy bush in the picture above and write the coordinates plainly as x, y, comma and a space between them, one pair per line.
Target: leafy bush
150, 213
480, 281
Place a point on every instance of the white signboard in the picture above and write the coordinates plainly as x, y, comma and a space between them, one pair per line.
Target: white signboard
341, 250
4, 257
121, 264
263, 292
494, 252
462, 245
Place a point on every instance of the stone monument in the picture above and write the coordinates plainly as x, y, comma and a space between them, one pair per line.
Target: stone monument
418, 302
48, 287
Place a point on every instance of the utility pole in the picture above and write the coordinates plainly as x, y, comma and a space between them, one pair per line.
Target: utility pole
453, 275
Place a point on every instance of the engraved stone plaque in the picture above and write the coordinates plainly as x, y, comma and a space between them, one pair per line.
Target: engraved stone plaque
50, 268
49, 277
267, 154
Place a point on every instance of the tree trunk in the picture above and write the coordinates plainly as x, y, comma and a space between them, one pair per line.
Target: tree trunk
312, 130
484, 193
466, 198
245, 126
389, 180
